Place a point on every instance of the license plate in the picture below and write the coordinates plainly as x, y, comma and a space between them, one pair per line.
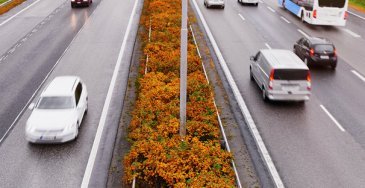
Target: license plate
47, 138
324, 57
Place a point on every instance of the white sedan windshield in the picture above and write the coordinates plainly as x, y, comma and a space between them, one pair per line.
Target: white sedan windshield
55, 103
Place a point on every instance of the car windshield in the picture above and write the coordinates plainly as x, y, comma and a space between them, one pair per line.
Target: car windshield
323, 48
55, 103
332, 3
290, 74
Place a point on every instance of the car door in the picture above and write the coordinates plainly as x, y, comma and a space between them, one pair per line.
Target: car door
258, 68
298, 47
305, 50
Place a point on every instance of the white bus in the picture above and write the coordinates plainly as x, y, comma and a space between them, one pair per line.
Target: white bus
318, 12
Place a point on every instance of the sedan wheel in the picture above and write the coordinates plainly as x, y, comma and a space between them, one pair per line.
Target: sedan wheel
264, 96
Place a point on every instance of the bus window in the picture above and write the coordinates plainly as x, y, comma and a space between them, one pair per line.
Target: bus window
332, 3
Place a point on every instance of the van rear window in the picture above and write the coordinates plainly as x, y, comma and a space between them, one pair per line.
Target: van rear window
290, 74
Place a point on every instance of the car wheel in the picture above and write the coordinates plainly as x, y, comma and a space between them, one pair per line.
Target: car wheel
251, 75
222, 7
256, 4
333, 66
264, 95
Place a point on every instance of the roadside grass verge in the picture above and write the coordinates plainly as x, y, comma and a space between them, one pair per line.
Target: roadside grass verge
358, 5
9, 6
158, 157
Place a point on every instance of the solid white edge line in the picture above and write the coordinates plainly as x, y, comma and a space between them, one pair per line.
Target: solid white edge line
332, 118
227, 144
287, 21
26, 8
358, 75
95, 147
267, 45
196, 45
39, 87
4, 3
271, 9
354, 14
352, 33
249, 120
303, 33
241, 17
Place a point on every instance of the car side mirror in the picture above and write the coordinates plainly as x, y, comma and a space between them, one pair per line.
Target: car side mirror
31, 106
252, 58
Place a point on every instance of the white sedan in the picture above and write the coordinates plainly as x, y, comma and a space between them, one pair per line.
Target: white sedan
214, 3
58, 113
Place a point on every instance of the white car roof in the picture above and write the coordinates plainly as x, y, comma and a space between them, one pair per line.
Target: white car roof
283, 59
61, 86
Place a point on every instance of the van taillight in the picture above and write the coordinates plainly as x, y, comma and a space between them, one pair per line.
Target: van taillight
309, 85
346, 15
314, 13
271, 78
311, 52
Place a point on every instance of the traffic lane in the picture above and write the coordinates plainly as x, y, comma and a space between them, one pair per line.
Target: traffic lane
12, 31
342, 37
340, 91
93, 58
24, 69
298, 167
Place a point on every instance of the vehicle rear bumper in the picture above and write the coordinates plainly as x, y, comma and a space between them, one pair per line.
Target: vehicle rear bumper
284, 96
331, 60
79, 3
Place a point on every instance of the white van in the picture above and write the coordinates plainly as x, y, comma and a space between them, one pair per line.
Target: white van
281, 75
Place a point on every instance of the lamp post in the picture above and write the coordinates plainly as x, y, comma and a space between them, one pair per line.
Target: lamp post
183, 67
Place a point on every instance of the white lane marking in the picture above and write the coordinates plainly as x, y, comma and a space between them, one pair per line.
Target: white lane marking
287, 21
246, 113
241, 17
6, 2
332, 118
267, 45
272, 10
196, 45
356, 15
358, 75
15, 15
39, 87
303, 33
94, 150
227, 144
351, 33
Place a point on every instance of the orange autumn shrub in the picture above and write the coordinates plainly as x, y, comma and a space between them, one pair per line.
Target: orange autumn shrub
158, 157
10, 5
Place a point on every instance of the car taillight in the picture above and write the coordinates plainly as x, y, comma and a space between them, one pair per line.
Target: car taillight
334, 52
309, 85
314, 13
346, 15
311, 52
271, 78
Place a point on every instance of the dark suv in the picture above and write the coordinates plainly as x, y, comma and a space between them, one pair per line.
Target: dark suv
75, 3
316, 50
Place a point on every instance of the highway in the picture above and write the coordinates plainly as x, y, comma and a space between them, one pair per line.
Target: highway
320, 143
43, 39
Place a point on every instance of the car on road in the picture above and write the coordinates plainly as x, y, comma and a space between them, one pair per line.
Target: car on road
214, 3
254, 2
75, 3
315, 50
281, 75
57, 115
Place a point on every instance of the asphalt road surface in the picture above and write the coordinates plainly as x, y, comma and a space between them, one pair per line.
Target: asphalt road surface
47, 36
307, 142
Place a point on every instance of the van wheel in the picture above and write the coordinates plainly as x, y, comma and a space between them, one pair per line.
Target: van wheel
251, 75
264, 96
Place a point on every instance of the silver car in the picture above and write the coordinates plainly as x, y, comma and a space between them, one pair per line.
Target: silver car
214, 3
281, 75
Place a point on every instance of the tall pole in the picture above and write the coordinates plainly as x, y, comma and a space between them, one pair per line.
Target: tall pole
183, 67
